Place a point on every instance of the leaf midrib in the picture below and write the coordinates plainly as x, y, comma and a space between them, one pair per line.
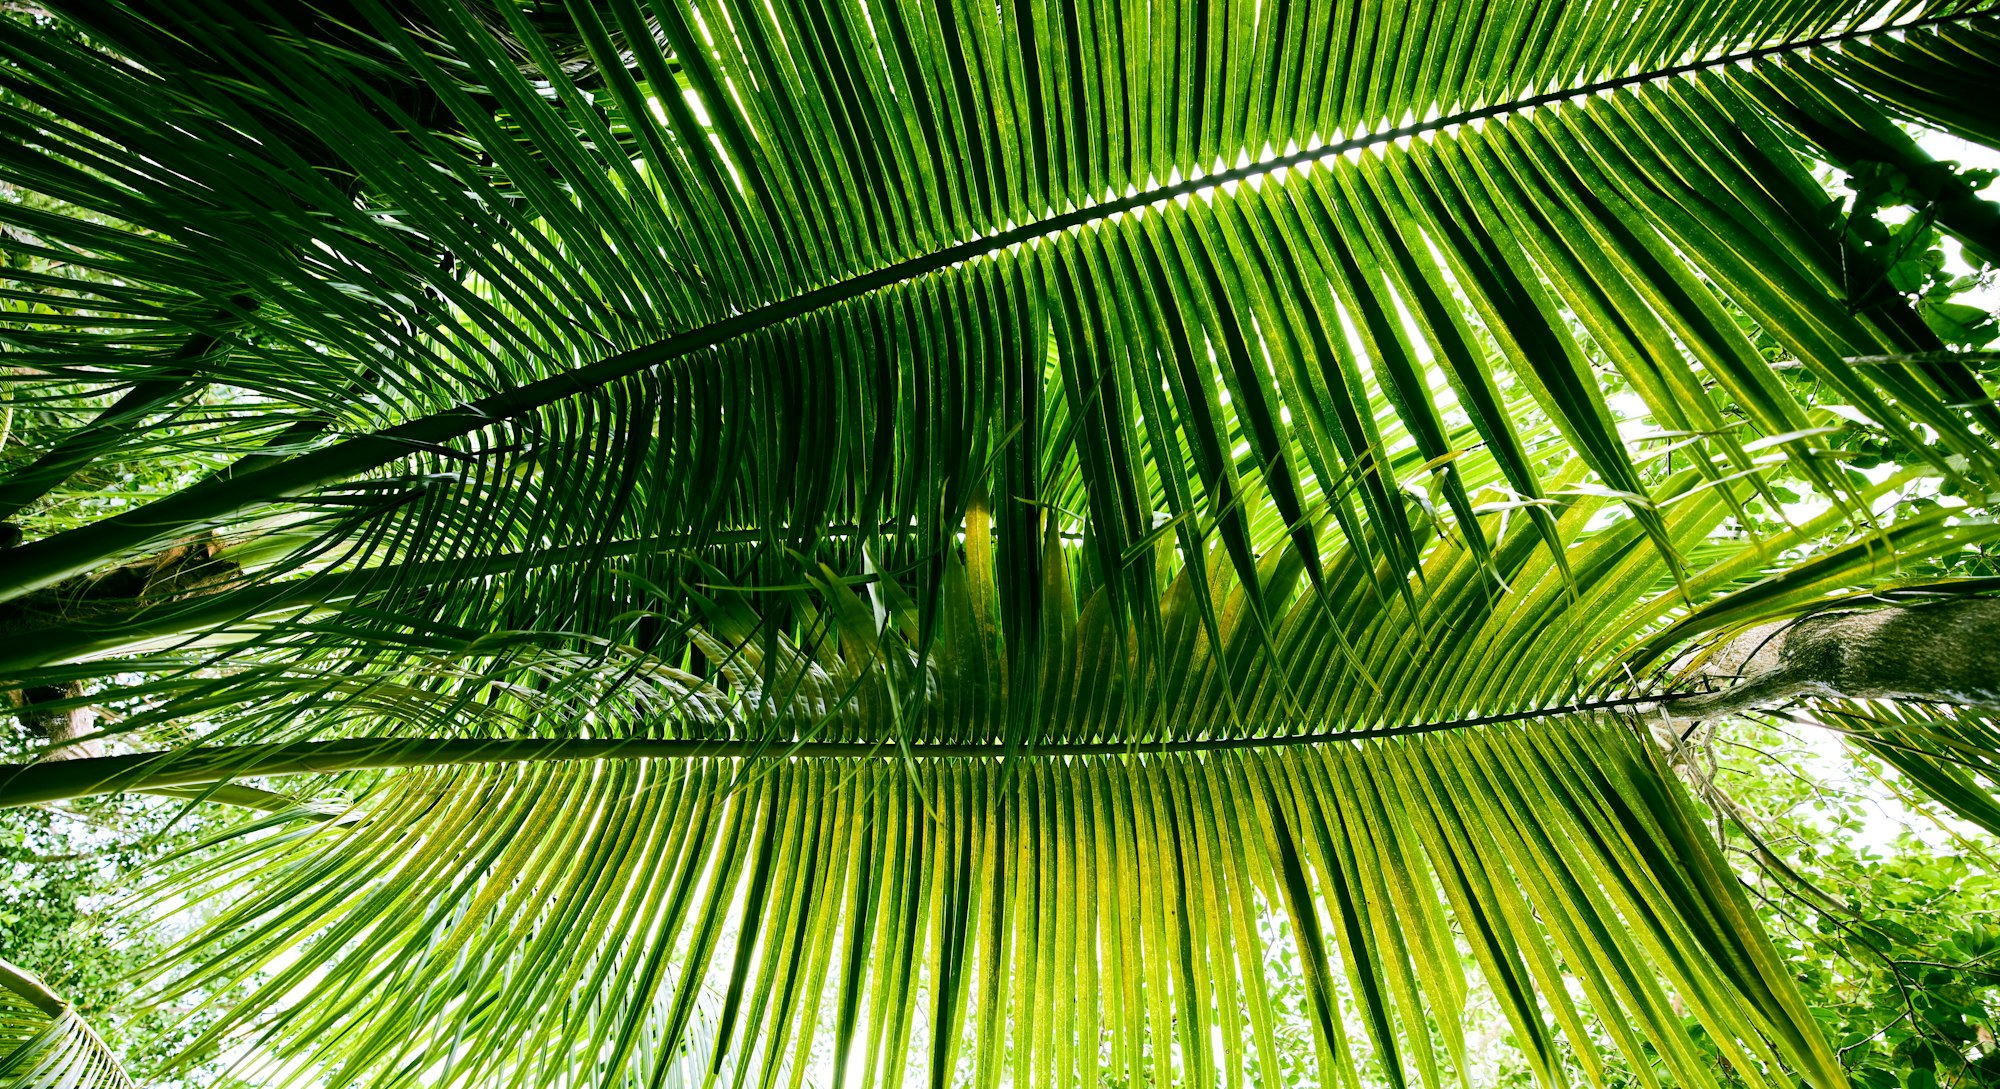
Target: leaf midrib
28, 784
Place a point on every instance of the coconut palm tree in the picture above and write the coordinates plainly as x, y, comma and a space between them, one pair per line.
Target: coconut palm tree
730, 542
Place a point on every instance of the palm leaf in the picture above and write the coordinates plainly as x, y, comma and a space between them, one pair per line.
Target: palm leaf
927, 538
44, 1044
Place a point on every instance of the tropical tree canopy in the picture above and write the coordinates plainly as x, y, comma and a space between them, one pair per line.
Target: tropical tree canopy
731, 542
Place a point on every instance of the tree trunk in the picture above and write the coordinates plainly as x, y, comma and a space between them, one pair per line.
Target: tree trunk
60, 726
1943, 652
175, 573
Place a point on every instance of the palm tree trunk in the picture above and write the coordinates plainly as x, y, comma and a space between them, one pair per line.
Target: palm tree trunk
1944, 652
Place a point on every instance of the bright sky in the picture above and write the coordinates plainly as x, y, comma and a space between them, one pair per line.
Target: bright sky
1943, 146
1884, 815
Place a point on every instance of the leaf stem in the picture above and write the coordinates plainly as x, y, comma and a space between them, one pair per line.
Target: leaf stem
30, 987
30, 784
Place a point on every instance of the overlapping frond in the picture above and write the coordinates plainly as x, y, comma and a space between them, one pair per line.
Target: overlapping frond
1945, 752
1476, 633
1054, 921
893, 920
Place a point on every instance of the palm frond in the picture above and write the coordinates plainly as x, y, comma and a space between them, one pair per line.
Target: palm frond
526, 924
1583, 227
921, 541
44, 1044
